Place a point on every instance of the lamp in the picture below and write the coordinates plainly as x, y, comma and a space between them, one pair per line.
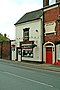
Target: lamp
36, 30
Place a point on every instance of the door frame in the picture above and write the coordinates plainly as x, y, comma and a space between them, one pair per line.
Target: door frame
49, 44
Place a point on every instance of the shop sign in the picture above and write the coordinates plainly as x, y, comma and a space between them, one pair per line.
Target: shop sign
24, 47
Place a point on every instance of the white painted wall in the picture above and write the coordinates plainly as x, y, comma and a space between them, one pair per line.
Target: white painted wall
33, 36
13, 55
13, 51
58, 51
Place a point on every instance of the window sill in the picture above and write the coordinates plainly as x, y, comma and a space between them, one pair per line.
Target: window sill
54, 32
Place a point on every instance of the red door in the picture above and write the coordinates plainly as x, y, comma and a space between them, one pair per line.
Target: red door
49, 55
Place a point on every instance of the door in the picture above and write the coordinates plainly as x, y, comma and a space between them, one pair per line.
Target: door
19, 54
49, 55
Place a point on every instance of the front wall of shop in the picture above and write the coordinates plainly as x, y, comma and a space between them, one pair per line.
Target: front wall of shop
35, 34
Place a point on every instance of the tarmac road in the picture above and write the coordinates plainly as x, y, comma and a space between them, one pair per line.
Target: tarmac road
13, 77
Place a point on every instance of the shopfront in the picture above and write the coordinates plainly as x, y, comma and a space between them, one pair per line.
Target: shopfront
27, 50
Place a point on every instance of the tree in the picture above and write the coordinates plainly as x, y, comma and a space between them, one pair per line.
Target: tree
3, 38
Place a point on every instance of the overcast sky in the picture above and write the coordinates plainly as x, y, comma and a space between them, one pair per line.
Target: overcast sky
12, 10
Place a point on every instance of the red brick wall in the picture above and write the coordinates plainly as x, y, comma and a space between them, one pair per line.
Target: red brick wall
57, 0
5, 50
52, 15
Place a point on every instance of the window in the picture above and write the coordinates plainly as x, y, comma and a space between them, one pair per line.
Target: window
26, 34
27, 49
27, 53
51, 2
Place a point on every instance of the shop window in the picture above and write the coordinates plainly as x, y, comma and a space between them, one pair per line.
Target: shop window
26, 34
27, 53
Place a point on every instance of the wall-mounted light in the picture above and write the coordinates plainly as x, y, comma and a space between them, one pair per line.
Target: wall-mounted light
36, 30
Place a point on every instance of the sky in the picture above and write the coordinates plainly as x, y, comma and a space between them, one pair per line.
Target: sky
12, 10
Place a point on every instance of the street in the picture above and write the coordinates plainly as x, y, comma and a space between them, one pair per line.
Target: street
14, 77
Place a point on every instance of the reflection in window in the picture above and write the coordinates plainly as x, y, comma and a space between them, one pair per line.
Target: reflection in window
27, 53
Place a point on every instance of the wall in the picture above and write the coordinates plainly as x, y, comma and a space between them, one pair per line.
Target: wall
5, 50
50, 15
33, 36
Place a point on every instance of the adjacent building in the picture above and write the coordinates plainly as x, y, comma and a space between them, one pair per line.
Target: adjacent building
51, 45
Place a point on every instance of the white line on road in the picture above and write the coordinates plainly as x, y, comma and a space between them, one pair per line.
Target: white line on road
29, 79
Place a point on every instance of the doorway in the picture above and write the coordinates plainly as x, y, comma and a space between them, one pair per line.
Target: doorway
49, 55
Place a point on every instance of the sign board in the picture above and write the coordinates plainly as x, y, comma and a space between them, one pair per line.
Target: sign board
50, 27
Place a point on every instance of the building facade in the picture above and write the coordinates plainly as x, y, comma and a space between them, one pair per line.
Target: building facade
29, 37
51, 45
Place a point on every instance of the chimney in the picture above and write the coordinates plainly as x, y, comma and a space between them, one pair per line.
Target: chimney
5, 35
46, 3
57, 1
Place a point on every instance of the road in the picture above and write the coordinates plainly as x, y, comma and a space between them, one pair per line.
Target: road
14, 77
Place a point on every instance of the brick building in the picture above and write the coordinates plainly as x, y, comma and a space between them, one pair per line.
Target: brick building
51, 45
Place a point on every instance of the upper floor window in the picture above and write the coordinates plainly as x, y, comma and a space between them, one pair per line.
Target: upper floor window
52, 2
26, 34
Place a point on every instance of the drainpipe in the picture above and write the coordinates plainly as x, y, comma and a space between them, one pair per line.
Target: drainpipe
43, 40
55, 52
10, 51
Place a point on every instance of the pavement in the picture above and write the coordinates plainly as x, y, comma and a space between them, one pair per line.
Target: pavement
27, 76
50, 67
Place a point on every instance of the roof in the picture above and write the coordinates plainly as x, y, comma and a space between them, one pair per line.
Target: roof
30, 16
34, 15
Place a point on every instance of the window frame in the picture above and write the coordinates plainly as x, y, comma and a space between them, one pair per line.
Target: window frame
26, 34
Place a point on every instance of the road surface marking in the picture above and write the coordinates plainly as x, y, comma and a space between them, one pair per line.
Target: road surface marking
29, 79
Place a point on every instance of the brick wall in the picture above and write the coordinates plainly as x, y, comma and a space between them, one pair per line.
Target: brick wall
5, 50
57, 0
52, 15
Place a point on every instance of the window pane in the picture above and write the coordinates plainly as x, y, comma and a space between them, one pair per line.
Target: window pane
26, 34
